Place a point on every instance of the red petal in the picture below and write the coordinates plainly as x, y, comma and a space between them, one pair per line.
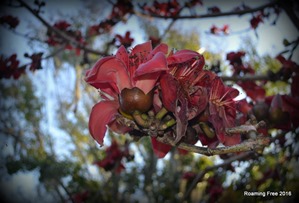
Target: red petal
243, 106
232, 140
169, 87
123, 55
144, 48
160, 149
147, 73
183, 56
217, 90
109, 70
101, 115
156, 64
160, 48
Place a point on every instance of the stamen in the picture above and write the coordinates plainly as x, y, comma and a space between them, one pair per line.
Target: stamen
106, 95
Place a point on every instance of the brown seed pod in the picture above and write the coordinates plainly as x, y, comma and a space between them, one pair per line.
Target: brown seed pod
134, 99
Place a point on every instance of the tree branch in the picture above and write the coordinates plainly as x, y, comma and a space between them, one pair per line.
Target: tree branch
245, 78
210, 15
257, 143
59, 32
249, 145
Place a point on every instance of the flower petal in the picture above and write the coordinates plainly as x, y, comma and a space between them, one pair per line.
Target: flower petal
160, 149
101, 115
123, 55
156, 64
160, 48
183, 56
109, 70
143, 49
148, 73
169, 88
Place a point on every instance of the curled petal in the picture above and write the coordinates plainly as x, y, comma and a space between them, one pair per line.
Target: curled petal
101, 115
160, 149
147, 74
160, 48
143, 49
156, 64
109, 70
183, 56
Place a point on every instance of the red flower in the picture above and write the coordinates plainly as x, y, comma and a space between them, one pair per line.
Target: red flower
113, 158
126, 41
225, 29
214, 30
36, 61
12, 21
255, 21
222, 109
124, 72
62, 25
171, 8
181, 93
9, 67
235, 57
254, 91
214, 9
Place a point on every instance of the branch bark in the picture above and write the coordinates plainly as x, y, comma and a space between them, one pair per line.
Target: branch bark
249, 145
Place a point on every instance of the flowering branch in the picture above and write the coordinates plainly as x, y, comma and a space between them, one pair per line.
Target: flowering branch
241, 12
61, 34
255, 143
249, 145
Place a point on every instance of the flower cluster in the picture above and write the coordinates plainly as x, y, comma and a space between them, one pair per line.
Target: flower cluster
150, 92
54, 39
11, 21
114, 157
9, 67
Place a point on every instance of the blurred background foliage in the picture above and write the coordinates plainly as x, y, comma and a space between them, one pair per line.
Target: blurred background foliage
44, 133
